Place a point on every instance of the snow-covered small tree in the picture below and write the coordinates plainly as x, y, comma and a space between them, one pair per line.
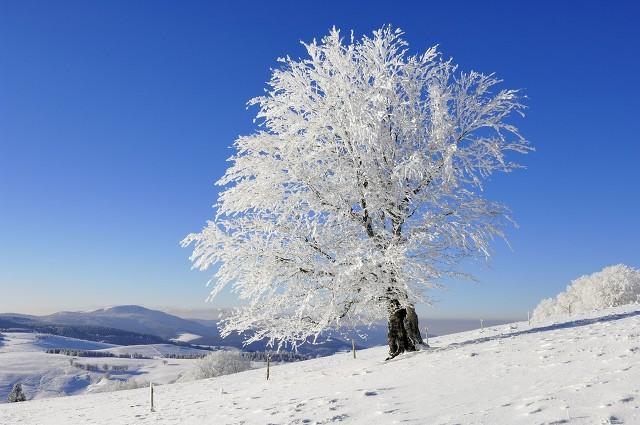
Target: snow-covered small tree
16, 394
360, 189
611, 287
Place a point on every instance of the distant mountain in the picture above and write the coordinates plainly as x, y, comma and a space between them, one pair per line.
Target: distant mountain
139, 320
104, 334
133, 318
143, 320
139, 324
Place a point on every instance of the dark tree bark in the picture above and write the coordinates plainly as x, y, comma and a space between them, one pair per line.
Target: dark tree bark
404, 333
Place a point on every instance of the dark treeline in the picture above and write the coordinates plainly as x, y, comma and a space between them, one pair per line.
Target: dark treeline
89, 353
104, 368
256, 356
184, 355
285, 356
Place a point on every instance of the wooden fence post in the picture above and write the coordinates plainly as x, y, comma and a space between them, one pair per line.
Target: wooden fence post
151, 393
353, 348
268, 365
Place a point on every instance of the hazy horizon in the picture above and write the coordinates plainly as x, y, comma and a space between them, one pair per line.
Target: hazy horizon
213, 313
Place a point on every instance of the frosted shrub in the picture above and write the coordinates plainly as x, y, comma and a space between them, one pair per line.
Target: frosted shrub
217, 364
117, 385
611, 287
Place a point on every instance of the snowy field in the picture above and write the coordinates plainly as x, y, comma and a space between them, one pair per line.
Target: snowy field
573, 371
23, 359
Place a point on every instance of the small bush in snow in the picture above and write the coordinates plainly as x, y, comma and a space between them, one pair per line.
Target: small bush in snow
117, 385
16, 394
218, 363
611, 287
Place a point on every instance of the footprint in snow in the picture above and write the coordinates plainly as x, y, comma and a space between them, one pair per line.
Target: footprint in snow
370, 393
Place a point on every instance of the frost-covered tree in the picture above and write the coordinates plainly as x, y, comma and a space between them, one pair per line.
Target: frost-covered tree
16, 394
360, 189
610, 287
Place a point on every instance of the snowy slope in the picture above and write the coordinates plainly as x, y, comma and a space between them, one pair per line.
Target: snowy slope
187, 337
577, 371
28, 341
23, 359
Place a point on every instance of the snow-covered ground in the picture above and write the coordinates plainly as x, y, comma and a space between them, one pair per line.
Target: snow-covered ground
23, 359
187, 337
583, 370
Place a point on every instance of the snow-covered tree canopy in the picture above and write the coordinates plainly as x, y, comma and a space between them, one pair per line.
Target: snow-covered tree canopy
360, 188
610, 287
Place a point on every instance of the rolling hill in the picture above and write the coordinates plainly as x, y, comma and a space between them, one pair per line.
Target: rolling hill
573, 370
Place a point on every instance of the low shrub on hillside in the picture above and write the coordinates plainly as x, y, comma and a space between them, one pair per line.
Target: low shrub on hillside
108, 385
217, 363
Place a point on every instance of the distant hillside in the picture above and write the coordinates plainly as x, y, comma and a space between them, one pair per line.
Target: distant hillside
143, 320
573, 370
53, 366
104, 334
135, 320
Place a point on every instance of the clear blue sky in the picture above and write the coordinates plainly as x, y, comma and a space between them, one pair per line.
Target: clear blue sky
116, 118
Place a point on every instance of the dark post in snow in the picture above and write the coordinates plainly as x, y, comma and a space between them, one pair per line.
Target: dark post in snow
353, 348
268, 365
151, 393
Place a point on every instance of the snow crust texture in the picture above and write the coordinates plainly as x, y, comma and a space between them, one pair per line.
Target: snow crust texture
582, 370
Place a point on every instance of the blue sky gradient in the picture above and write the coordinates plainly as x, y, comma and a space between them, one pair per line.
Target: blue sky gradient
116, 118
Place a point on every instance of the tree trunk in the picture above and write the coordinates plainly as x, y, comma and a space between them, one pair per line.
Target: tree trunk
404, 333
